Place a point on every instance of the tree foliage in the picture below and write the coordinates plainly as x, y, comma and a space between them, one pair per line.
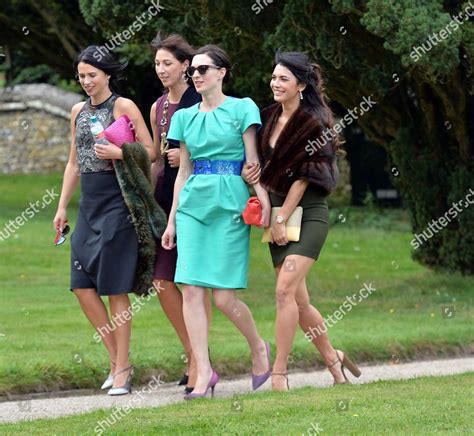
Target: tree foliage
424, 110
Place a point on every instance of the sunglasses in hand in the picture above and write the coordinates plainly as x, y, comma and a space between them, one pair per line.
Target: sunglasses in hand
61, 235
202, 69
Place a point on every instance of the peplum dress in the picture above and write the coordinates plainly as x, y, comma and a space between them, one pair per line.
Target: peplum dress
212, 239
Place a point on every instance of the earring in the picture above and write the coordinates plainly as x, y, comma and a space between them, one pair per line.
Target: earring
184, 77
301, 95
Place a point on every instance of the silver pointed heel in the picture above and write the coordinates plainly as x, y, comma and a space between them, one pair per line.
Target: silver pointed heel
127, 386
109, 382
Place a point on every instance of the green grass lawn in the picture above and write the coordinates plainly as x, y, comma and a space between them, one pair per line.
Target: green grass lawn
422, 406
46, 342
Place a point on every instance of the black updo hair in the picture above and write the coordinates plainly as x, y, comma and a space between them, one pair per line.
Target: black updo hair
314, 100
103, 59
219, 57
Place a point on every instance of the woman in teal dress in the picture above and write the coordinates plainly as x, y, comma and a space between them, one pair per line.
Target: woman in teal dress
216, 137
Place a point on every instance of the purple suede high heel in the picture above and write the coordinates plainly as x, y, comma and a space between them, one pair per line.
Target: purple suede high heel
259, 380
212, 384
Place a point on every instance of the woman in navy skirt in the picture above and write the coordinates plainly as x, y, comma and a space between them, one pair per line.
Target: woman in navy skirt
104, 246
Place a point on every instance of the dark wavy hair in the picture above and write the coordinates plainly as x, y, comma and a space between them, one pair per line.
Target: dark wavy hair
102, 58
175, 44
314, 100
220, 58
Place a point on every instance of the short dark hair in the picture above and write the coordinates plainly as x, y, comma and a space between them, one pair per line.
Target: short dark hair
219, 57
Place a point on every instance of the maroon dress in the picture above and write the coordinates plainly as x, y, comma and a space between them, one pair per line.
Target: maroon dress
165, 262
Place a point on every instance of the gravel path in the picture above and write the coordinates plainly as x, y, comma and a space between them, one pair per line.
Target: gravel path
28, 408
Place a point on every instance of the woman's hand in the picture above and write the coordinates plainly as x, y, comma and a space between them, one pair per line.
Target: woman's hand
108, 151
167, 240
251, 172
173, 157
266, 214
278, 234
60, 220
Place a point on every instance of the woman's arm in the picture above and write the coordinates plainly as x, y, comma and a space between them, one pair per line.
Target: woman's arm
250, 141
251, 173
71, 175
296, 192
155, 166
185, 170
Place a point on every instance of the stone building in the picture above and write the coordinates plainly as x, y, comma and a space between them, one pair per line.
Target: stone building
35, 128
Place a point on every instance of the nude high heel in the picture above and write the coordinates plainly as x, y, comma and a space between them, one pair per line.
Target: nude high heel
283, 374
351, 366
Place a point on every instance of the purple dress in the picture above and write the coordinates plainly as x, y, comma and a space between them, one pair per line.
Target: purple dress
165, 262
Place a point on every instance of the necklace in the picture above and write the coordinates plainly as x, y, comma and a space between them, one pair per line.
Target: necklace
164, 146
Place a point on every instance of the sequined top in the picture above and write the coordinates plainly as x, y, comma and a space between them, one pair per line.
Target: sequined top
87, 160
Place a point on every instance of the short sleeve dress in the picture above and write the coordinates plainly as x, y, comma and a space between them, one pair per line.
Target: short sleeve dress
212, 239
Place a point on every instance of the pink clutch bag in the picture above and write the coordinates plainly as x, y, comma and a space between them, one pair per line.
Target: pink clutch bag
120, 131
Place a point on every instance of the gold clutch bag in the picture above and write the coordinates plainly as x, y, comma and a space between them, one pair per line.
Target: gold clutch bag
293, 224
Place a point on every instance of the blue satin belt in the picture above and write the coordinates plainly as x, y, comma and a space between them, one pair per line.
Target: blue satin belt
221, 167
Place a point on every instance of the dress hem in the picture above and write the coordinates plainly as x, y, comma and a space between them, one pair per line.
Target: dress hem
207, 285
308, 254
105, 295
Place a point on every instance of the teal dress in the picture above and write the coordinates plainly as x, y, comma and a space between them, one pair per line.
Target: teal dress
212, 238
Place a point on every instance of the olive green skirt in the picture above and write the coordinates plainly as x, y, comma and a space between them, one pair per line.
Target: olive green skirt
314, 227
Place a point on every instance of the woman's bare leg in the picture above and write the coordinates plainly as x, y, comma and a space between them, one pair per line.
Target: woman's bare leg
239, 314
294, 268
311, 321
119, 306
96, 312
171, 301
195, 318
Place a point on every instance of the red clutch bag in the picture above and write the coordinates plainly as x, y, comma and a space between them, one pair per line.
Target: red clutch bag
252, 213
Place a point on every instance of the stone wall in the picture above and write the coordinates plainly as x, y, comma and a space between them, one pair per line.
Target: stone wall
35, 133
35, 128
